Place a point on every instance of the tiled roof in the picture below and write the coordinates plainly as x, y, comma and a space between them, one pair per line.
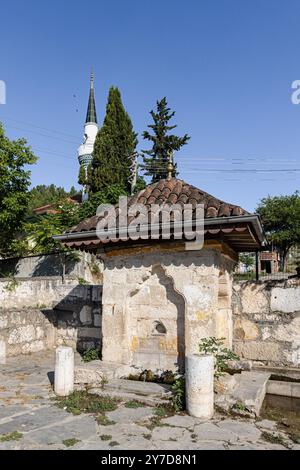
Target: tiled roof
174, 191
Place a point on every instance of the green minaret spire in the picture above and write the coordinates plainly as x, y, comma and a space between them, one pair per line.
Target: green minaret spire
91, 115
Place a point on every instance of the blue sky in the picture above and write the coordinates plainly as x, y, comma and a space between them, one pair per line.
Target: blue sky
225, 66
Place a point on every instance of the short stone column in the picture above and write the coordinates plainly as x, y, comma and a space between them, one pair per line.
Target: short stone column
2, 351
199, 376
64, 371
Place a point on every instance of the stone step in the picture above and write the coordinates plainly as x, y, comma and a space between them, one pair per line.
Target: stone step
251, 389
92, 373
138, 387
150, 400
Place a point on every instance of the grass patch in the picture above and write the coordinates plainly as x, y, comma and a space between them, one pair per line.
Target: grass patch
104, 421
163, 411
153, 422
274, 438
12, 436
70, 442
83, 402
105, 437
113, 443
134, 404
160, 411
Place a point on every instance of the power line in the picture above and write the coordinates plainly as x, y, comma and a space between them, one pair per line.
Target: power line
234, 170
43, 135
54, 153
39, 127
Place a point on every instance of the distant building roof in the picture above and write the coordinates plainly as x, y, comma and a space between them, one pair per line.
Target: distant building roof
52, 208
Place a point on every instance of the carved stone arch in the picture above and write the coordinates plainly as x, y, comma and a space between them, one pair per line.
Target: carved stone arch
155, 301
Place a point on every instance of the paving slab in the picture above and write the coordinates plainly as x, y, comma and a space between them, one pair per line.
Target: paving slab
257, 446
168, 433
212, 432
267, 424
81, 428
40, 418
130, 415
244, 430
26, 406
182, 421
9, 411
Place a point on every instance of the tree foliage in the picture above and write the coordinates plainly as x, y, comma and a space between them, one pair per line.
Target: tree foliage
15, 155
247, 260
82, 176
281, 219
114, 147
38, 233
156, 159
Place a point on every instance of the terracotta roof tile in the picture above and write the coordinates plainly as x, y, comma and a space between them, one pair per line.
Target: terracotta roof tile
166, 192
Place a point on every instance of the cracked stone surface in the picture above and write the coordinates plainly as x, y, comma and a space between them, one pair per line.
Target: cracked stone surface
26, 406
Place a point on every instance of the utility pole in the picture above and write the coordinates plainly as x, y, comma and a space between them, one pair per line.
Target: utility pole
133, 172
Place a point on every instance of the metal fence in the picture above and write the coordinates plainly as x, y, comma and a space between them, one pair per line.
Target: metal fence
269, 266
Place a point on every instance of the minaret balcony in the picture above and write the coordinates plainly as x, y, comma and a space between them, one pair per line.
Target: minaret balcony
85, 160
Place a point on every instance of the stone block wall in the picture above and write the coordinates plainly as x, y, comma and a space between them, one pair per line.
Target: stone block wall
40, 314
27, 330
80, 265
267, 321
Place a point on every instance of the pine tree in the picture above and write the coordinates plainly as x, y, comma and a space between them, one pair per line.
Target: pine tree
114, 146
156, 159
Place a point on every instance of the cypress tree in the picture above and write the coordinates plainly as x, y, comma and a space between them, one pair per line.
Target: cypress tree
156, 159
114, 146
82, 176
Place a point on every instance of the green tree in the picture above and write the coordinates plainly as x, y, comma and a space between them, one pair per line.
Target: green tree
82, 176
108, 195
156, 159
42, 195
281, 219
15, 155
39, 233
140, 184
247, 260
114, 147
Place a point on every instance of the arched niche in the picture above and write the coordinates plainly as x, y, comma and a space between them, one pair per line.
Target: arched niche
155, 318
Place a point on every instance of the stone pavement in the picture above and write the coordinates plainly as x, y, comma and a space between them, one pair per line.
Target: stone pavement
30, 420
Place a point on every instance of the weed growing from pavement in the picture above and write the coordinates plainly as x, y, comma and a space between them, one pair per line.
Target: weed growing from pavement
105, 437
12, 436
134, 404
70, 442
113, 443
83, 402
274, 438
103, 420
